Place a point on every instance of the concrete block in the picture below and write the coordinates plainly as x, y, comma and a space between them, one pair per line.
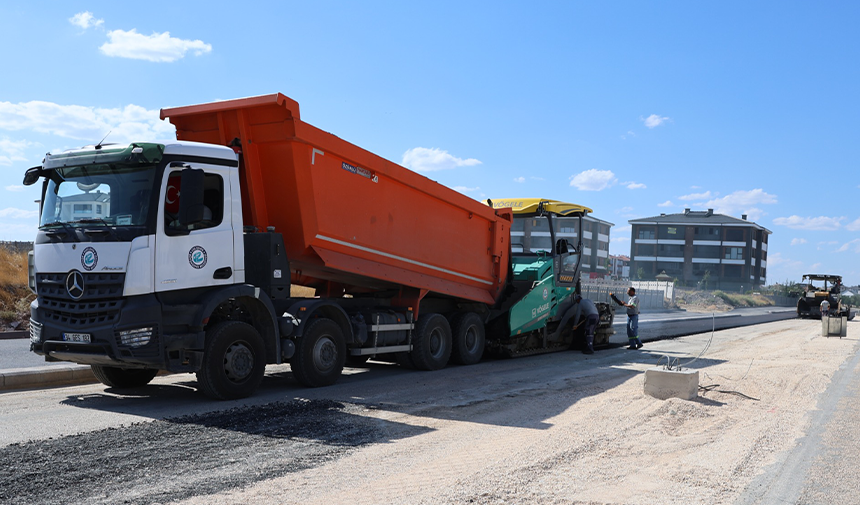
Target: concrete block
661, 383
834, 326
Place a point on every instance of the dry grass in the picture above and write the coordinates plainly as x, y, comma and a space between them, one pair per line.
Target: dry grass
15, 296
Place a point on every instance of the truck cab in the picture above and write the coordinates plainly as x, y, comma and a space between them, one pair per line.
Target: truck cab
133, 241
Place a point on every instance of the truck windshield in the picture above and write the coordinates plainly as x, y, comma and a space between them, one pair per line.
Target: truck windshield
110, 194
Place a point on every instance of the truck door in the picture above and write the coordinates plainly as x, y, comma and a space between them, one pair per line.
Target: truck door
199, 254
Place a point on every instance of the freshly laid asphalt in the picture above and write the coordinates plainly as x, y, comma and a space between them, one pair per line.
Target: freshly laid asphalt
22, 369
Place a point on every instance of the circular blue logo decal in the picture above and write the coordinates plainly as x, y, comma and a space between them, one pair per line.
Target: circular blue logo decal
89, 258
545, 293
197, 257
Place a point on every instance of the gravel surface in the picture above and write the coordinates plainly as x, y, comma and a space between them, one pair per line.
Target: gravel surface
552, 429
160, 461
592, 438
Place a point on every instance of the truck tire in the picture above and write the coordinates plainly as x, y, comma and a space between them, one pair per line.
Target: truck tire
320, 354
468, 335
123, 378
234, 361
431, 342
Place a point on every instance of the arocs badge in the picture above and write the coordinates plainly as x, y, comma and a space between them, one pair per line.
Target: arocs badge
89, 259
197, 257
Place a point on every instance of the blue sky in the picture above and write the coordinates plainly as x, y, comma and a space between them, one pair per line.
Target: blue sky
630, 108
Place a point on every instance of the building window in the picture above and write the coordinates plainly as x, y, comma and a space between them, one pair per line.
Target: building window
706, 251
670, 268
603, 229
699, 269
646, 233
732, 271
734, 253
671, 232
670, 250
98, 208
734, 235
706, 233
646, 250
540, 225
83, 208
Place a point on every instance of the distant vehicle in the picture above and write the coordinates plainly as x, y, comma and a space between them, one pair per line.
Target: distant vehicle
820, 287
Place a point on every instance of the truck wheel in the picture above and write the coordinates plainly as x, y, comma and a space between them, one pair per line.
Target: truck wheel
320, 354
468, 338
234, 361
431, 342
123, 378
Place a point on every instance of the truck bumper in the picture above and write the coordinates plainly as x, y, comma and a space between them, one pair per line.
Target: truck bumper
134, 340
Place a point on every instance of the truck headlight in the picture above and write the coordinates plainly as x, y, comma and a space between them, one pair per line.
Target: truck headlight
35, 332
136, 338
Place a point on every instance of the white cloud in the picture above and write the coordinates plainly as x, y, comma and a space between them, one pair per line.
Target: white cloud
126, 124
654, 120
821, 223
86, 20
853, 225
776, 259
620, 230
422, 159
743, 202
635, 185
815, 266
667, 203
13, 213
593, 180
537, 178
12, 150
158, 47
15, 188
630, 133
519, 179
624, 210
698, 196
853, 246
798, 241
464, 189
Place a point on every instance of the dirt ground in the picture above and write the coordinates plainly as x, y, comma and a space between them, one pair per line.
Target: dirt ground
591, 436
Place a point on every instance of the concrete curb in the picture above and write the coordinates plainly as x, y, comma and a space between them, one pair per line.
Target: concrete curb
45, 376
4, 335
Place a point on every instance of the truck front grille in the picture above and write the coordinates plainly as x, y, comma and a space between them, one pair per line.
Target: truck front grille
99, 305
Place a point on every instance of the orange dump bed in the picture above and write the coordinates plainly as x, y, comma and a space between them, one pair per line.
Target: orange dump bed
352, 221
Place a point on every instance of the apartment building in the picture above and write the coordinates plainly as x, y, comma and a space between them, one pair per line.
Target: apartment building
619, 266
730, 253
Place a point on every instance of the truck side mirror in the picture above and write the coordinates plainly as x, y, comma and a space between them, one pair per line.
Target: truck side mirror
191, 199
562, 247
32, 175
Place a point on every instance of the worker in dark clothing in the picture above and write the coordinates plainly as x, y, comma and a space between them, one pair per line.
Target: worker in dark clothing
587, 314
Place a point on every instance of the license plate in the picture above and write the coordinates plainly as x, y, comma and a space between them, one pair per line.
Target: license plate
76, 337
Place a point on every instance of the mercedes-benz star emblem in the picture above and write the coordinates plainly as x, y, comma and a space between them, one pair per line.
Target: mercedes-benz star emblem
75, 284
